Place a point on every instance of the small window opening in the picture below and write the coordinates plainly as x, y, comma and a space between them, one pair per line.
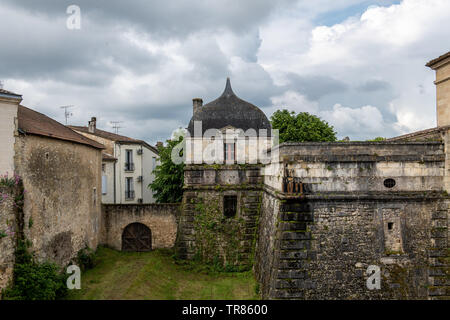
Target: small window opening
389, 183
229, 206
95, 196
390, 225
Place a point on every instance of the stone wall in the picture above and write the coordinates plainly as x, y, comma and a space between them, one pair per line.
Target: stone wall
360, 166
348, 236
7, 236
205, 232
62, 210
318, 244
316, 248
160, 218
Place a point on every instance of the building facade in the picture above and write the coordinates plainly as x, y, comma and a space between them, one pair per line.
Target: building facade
320, 220
61, 177
127, 167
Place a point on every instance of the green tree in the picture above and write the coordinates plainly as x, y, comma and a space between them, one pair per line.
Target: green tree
378, 139
301, 127
169, 176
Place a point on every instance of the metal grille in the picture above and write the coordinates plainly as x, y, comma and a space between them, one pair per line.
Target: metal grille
129, 194
129, 166
389, 183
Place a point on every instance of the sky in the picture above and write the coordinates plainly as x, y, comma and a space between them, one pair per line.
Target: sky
358, 64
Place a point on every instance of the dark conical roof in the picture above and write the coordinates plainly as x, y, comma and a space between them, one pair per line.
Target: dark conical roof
229, 110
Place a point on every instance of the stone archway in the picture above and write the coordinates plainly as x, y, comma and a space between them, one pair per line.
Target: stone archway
136, 237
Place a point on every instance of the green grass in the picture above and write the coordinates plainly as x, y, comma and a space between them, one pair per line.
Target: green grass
157, 275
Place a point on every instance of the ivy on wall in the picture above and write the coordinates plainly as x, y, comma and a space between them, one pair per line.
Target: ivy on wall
218, 238
31, 280
11, 187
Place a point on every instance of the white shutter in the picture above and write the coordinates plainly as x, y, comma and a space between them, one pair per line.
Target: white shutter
104, 184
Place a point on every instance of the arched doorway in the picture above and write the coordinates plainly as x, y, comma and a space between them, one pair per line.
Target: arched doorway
136, 237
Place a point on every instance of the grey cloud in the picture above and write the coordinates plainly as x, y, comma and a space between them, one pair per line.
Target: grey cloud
315, 87
41, 49
188, 61
162, 17
374, 85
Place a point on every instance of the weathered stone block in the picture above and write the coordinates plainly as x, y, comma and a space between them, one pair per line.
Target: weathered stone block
296, 235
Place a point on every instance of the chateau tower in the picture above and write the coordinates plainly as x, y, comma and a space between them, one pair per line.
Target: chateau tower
222, 181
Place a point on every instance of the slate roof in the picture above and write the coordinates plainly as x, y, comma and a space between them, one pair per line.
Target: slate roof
229, 110
33, 122
113, 137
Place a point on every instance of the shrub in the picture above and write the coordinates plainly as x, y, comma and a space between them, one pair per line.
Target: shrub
37, 281
33, 280
86, 259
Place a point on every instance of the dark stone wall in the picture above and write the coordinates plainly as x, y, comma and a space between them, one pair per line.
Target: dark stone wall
204, 232
312, 248
283, 249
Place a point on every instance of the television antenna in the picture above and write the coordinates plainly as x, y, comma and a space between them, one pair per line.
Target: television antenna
115, 125
67, 113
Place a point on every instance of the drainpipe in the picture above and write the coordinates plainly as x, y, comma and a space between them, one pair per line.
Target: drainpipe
142, 174
114, 181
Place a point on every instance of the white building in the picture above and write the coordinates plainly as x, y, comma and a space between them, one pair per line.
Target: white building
9, 103
127, 166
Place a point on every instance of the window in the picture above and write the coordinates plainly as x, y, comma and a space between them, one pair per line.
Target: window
390, 225
389, 183
129, 165
229, 152
229, 206
95, 196
103, 167
153, 163
129, 188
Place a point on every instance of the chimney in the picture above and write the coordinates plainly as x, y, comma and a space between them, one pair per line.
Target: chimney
159, 144
197, 104
92, 124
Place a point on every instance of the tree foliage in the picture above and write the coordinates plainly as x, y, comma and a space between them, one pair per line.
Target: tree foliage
301, 127
378, 139
169, 176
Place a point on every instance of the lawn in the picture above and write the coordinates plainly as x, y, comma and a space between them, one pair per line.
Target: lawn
156, 275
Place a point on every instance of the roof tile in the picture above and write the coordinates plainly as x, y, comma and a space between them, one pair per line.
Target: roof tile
33, 122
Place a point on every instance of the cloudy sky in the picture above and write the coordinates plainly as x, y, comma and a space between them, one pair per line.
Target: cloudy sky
359, 64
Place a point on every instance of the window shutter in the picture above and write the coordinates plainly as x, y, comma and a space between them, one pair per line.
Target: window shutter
104, 185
